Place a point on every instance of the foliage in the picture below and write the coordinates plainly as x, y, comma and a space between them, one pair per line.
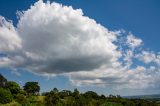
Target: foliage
75, 93
31, 101
5, 96
3, 81
91, 94
111, 104
65, 93
31, 88
89, 98
20, 98
11, 104
10, 89
13, 87
55, 90
52, 99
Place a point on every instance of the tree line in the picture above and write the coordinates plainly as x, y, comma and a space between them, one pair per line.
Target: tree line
11, 93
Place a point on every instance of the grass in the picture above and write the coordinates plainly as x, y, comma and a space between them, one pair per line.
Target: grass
40, 98
37, 101
14, 103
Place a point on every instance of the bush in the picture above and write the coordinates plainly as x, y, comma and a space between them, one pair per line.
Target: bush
20, 98
5, 96
52, 99
13, 87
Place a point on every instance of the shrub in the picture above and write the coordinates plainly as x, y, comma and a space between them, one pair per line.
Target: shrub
3, 81
20, 98
52, 99
5, 96
13, 87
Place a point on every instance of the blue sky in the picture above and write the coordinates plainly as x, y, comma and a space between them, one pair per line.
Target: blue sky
139, 20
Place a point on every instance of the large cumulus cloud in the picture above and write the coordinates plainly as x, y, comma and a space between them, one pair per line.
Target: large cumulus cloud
64, 40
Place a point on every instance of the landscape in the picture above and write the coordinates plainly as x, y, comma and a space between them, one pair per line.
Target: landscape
11, 94
79, 53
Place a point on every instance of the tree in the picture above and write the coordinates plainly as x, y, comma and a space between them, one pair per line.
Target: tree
76, 93
103, 97
5, 96
31, 88
20, 98
65, 93
91, 94
13, 87
55, 90
68, 92
111, 96
3, 81
52, 99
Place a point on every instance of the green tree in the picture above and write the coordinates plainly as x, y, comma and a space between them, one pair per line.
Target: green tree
13, 87
55, 90
5, 96
65, 93
70, 101
20, 98
103, 97
32, 87
3, 81
91, 94
52, 99
75, 93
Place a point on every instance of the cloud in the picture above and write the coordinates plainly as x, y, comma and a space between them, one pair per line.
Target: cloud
128, 56
117, 78
9, 40
52, 39
148, 57
59, 39
4, 61
132, 41
127, 74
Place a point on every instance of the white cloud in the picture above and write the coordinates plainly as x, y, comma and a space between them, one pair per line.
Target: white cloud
60, 39
128, 55
53, 39
4, 61
132, 41
118, 78
9, 40
16, 72
148, 57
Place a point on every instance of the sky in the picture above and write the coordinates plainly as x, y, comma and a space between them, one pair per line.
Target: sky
108, 46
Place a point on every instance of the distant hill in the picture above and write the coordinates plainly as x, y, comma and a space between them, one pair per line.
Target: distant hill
153, 96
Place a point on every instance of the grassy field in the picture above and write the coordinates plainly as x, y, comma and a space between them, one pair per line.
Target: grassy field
33, 101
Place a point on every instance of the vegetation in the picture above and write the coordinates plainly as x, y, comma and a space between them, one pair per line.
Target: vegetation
11, 94
2, 81
13, 87
32, 88
5, 96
